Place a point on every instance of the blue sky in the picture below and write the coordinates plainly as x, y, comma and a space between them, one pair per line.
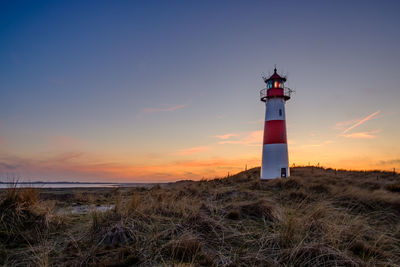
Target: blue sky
145, 85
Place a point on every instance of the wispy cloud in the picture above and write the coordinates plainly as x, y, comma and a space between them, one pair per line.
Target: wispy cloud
369, 117
245, 138
362, 135
68, 156
317, 144
192, 150
345, 124
390, 162
226, 136
164, 108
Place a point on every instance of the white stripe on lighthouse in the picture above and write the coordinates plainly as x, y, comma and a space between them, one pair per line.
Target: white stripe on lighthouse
275, 157
272, 107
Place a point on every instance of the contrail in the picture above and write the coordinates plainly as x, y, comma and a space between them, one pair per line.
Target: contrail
362, 121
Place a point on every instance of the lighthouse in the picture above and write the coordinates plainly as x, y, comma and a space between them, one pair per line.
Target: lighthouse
275, 160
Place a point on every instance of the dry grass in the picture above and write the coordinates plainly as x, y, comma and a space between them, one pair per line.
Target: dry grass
318, 217
24, 222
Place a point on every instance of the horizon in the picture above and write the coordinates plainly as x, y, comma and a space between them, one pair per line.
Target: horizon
11, 181
160, 92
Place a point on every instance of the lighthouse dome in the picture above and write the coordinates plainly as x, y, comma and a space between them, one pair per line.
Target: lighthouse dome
275, 77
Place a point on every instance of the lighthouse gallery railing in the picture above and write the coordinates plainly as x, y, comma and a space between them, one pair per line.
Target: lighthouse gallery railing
286, 93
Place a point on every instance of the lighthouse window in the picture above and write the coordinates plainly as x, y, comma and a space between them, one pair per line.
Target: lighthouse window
276, 84
280, 112
281, 135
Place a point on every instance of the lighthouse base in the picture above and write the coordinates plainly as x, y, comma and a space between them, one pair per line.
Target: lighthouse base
275, 162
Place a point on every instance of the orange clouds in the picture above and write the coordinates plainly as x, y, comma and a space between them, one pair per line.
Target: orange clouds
192, 150
228, 152
247, 138
226, 136
362, 135
81, 167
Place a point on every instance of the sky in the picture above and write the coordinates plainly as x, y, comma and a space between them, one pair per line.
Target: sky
154, 91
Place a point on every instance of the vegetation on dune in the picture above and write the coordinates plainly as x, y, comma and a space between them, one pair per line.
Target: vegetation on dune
316, 217
24, 221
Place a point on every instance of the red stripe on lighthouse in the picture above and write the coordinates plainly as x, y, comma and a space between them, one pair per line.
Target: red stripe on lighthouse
275, 92
275, 132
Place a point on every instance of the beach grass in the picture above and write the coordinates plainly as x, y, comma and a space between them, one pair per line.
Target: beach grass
317, 217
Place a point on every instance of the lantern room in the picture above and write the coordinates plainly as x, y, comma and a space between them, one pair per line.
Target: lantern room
275, 87
275, 81
274, 84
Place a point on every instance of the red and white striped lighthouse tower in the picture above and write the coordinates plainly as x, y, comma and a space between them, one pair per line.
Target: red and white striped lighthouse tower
275, 161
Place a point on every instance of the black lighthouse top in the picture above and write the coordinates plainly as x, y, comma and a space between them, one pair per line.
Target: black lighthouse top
275, 77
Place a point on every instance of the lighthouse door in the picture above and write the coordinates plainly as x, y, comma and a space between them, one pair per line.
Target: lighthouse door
283, 172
